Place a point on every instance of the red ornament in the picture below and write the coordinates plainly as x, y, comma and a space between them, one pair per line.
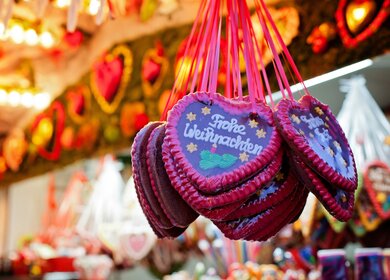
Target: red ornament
140, 121
55, 112
74, 39
320, 45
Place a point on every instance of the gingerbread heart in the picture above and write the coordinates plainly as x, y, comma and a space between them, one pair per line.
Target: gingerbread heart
241, 191
219, 142
247, 228
136, 243
278, 189
312, 131
151, 208
377, 182
345, 34
78, 103
110, 77
367, 213
56, 113
338, 202
154, 68
283, 219
179, 213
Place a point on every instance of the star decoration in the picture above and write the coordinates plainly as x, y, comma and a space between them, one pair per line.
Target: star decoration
244, 157
206, 110
344, 162
295, 119
330, 151
343, 198
260, 133
192, 147
191, 116
337, 145
326, 125
301, 132
253, 123
319, 111
311, 135
327, 118
279, 176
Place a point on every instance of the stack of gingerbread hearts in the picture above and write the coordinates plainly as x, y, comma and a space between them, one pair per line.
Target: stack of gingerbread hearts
234, 159
165, 210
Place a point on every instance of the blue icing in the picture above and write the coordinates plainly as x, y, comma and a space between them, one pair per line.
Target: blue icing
214, 141
324, 139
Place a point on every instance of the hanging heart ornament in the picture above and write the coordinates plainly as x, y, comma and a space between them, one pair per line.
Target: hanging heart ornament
377, 182
78, 103
218, 142
358, 20
110, 77
47, 130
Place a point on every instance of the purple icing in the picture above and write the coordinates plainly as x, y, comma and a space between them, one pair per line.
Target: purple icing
223, 142
313, 133
325, 141
219, 142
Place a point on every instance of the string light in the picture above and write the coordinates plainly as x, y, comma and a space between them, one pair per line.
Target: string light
13, 98
3, 96
25, 98
31, 37
93, 7
47, 39
18, 35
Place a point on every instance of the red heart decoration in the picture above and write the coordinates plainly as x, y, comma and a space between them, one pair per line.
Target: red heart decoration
154, 68
78, 103
108, 75
377, 182
345, 34
55, 112
137, 245
109, 78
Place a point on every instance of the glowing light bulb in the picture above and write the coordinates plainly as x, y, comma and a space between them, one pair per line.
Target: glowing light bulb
359, 13
47, 40
2, 29
93, 7
13, 98
31, 37
17, 34
41, 100
27, 100
63, 3
3, 96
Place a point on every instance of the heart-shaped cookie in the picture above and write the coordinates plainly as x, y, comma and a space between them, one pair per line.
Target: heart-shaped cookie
283, 219
136, 243
154, 68
179, 213
367, 213
110, 77
377, 182
239, 192
312, 131
346, 36
219, 142
151, 208
282, 186
338, 202
56, 113
247, 228
78, 103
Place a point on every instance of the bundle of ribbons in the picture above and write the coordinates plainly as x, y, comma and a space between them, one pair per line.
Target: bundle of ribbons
245, 164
